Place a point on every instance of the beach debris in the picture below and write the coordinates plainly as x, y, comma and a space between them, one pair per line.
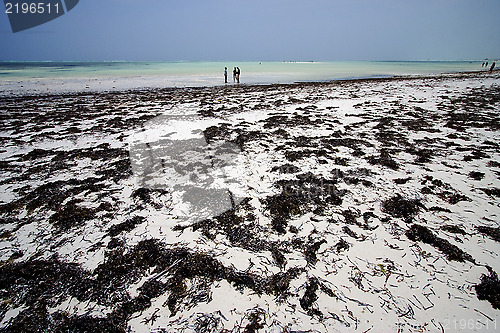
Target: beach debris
297, 244
70, 216
384, 159
257, 320
493, 233
311, 249
341, 245
476, 175
309, 298
492, 192
126, 226
454, 229
400, 207
421, 233
489, 288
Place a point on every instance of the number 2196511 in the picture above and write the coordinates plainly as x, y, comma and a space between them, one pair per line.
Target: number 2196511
470, 324
31, 8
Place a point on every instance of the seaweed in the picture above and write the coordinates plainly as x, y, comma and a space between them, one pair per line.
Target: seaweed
384, 159
215, 133
278, 258
241, 231
401, 181
146, 195
286, 168
276, 121
128, 225
349, 232
207, 323
423, 234
296, 197
118, 170
476, 175
400, 207
243, 137
492, 192
311, 250
294, 156
423, 155
493, 233
257, 318
309, 298
282, 207
71, 216
454, 229
453, 197
439, 209
341, 245
489, 288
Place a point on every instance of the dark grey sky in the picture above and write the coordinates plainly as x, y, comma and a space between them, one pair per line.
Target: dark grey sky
169, 30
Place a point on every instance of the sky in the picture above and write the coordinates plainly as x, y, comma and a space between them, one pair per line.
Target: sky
261, 30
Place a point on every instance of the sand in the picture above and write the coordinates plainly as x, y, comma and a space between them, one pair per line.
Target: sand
364, 206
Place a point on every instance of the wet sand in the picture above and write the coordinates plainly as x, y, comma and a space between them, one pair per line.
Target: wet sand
364, 205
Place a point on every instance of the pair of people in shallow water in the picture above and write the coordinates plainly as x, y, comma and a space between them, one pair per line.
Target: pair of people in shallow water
236, 74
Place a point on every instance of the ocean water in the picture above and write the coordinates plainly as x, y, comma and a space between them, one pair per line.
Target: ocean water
56, 77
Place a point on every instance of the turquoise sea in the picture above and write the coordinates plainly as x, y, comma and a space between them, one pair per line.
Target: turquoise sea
40, 77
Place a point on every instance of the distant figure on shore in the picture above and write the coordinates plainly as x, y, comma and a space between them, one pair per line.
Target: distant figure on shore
238, 72
225, 74
492, 66
486, 65
234, 75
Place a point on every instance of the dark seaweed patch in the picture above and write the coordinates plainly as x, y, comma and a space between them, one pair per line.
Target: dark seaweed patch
454, 229
401, 181
70, 216
309, 298
341, 245
439, 209
39, 320
257, 319
476, 175
243, 137
311, 250
489, 289
400, 207
493, 233
278, 257
282, 207
286, 168
128, 225
146, 195
384, 159
276, 121
492, 192
423, 234
296, 197
241, 231
215, 133
422, 155
453, 197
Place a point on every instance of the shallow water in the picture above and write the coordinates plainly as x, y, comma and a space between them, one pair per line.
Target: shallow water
55, 77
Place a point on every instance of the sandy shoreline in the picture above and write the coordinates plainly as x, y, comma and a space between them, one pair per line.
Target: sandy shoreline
355, 205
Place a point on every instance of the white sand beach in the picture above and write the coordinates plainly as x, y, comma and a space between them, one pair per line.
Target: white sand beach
352, 206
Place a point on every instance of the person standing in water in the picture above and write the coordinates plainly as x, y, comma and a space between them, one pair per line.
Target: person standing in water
492, 66
238, 72
225, 74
